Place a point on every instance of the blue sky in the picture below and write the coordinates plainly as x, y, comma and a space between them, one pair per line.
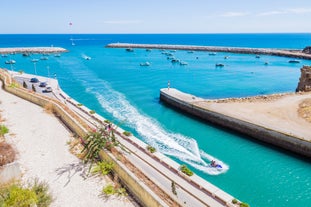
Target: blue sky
156, 16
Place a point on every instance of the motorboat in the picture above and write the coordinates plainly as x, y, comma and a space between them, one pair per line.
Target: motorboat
10, 62
294, 61
257, 56
183, 63
34, 60
129, 50
219, 65
214, 164
44, 58
212, 53
145, 64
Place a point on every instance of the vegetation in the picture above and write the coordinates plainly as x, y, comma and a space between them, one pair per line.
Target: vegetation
186, 170
20, 71
107, 121
79, 104
92, 112
173, 185
103, 167
111, 190
96, 141
35, 194
14, 85
126, 133
151, 149
244, 204
234, 201
3, 130
7, 154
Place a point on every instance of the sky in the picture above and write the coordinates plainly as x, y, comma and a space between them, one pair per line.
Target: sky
154, 16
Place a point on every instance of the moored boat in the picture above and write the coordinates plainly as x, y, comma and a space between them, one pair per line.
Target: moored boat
294, 61
145, 64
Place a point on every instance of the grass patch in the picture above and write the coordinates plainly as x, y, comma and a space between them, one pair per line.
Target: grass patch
186, 170
126, 133
3, 130
103, 167
151, 149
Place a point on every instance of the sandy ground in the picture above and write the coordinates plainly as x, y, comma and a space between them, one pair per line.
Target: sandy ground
43, 152
275, 112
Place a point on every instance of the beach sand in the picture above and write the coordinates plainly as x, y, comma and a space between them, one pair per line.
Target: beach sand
42, 151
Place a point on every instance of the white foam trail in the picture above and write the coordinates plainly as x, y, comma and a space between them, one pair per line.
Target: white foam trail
184, 148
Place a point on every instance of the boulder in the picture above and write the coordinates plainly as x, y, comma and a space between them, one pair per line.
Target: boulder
307, 50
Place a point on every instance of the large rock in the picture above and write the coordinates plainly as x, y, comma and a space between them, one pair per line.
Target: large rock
307, 50
305, 79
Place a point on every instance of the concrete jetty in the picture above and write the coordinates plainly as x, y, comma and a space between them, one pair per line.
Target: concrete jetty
279, 131
258, 51
42, 50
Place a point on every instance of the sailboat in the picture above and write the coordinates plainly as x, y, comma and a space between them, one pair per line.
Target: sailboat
71, 39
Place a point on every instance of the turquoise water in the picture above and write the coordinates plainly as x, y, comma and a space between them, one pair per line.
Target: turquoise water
115, 86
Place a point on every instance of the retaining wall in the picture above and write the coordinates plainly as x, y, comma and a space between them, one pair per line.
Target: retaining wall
145, 196
279, 139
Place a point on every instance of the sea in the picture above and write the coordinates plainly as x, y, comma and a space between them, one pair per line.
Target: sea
114, 84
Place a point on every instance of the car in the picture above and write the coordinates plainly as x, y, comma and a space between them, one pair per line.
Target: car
34, 80
43, 84
47, 90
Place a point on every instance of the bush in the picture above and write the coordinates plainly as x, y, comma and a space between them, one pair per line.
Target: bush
92, 112
244, 204
109, 190
186, 170
7, 154
234, 201
15, 195
151, 149
126, 133
35, 194
42, 191
103, 167
3, 130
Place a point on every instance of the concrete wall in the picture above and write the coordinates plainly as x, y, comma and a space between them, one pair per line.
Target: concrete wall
135, 186
270, 136
142, 192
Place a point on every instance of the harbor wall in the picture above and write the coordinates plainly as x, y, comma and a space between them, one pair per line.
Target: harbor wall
258, 51
276, 138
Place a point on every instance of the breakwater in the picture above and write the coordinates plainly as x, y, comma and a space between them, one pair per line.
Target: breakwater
43, 50
258, 51
186, 103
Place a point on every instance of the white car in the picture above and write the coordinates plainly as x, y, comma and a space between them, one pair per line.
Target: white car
47, 90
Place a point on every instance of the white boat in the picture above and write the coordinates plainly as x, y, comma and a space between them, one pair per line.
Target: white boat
44, 58
10, 62
212, 53
34, 60
183, 63
145, 64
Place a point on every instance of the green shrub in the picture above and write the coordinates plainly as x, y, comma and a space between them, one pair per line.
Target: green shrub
186, 170
234, 201
121, 192
92, 112
3, 130
42, 191
33, 194
109, 190
18, 196
79, 104
102, 167
151, 149
126, 133
107, 121
244, 204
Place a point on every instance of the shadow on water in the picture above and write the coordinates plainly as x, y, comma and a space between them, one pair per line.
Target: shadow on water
238, 134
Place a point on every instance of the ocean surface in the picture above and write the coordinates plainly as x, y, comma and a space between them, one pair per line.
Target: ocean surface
114, 84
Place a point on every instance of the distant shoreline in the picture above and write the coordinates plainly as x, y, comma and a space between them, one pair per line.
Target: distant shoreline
243, 50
